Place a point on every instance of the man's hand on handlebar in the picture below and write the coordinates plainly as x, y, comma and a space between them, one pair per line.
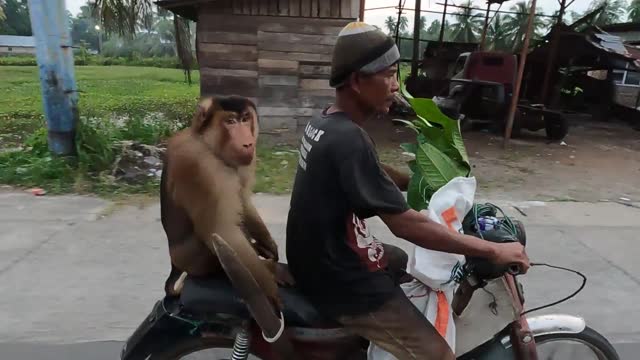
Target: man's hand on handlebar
511, 254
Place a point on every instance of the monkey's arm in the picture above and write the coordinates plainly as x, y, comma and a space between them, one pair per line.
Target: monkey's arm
399, 178
259, 231
212, 201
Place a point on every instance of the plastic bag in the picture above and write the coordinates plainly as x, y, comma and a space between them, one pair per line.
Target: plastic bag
432, 291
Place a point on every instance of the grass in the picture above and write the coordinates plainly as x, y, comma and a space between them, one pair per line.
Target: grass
115, 103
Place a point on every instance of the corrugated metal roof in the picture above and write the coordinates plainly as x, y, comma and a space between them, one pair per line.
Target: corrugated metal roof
17, 41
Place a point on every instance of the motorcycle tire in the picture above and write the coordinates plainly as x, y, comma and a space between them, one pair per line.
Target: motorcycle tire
588, 337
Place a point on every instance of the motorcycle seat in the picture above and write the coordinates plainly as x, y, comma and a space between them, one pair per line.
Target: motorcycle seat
215, 295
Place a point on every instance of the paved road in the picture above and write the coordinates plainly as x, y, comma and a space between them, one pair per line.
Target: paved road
75, 284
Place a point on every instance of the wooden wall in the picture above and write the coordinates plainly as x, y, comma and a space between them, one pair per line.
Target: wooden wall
282, 63
343, 9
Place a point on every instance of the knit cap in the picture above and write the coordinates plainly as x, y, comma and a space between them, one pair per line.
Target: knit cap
361, 47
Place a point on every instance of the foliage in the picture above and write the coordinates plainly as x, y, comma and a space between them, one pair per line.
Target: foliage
128, 17
141, 104
613, 11
440, 154
468, 25
516, 24
16, 19
634, 11
130, 91
82, 58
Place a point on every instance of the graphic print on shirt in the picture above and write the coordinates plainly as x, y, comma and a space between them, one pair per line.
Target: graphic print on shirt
365, 245
314, 135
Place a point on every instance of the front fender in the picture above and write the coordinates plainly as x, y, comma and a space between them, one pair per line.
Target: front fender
552, 324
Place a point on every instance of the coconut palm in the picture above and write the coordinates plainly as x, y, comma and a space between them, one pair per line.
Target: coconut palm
634, 11
516, 24
468, 24
613, 11
390, 23
126, 17
498, 34
2, 15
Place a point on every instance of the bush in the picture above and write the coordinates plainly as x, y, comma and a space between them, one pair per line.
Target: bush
93, 60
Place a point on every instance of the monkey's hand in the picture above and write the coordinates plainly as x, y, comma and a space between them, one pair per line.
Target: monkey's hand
283, 276
267, 249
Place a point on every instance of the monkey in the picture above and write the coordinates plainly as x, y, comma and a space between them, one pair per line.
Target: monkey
205, 189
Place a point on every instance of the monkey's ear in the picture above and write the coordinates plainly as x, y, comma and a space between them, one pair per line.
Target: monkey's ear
206, 108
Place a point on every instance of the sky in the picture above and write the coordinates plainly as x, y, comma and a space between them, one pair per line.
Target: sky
376, 17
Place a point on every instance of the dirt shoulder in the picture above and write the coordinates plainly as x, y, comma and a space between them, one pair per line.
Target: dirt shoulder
596, 161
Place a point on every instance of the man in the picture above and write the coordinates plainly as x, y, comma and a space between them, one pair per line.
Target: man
332, 256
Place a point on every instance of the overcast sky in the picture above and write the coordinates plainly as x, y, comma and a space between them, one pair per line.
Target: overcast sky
377, 17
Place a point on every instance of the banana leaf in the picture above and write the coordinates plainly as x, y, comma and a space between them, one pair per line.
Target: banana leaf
436, 167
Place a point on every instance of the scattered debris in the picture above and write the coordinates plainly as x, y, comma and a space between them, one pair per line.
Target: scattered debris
625, 199
572, 157
520, 210
137, 162
37, 191
563, 144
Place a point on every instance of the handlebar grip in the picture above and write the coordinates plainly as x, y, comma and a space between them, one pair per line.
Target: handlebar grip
514, 269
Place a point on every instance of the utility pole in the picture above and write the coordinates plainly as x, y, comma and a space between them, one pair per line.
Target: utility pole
486, 26
555, 40
444, 17
523, 60
55, 63
416, 40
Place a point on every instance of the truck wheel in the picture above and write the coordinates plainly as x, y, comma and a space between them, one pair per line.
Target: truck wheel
556, 127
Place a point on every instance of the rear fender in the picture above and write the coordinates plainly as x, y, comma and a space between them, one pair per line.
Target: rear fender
158, 330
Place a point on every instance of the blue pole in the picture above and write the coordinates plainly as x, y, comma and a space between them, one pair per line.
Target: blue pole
55, 63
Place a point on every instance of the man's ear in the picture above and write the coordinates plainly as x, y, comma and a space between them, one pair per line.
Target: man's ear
354, 82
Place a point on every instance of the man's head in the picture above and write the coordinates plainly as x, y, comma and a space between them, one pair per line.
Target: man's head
364, 66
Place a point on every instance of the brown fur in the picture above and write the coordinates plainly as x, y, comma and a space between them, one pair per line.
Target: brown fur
206, 188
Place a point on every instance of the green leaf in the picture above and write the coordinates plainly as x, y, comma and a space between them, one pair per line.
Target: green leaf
409, 124
418, 192
437, 168
409, 147
447, 138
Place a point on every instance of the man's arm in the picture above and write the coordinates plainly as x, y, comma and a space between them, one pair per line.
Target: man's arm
422, 231
399, 178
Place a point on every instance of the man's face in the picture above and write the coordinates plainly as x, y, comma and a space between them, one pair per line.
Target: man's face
375, 91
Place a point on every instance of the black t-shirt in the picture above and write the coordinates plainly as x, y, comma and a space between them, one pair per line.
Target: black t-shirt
339, 183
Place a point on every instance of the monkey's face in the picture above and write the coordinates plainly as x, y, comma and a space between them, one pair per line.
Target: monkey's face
233, 134
230, 127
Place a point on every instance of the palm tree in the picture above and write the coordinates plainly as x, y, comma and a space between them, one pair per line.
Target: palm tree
468, 24
497, 34
516, 24
2, 15
634, 11
613, 11
126, 17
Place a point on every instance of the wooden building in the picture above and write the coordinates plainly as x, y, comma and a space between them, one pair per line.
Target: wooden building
276, 52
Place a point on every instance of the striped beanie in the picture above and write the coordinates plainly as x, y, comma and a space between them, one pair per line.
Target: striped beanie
361, 47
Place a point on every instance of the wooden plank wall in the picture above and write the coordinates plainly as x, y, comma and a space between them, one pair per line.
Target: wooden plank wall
282, 63
298, 8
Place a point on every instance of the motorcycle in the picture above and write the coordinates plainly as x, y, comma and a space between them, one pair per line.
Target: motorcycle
210, 315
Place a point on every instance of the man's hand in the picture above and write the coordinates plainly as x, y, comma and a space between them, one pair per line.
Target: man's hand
511, 254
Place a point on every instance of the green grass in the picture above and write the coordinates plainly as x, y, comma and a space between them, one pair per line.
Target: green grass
115, 103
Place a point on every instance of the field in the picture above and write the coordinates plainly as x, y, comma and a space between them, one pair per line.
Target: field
115, 103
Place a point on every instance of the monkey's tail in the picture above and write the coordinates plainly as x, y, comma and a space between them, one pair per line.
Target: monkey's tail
248, 288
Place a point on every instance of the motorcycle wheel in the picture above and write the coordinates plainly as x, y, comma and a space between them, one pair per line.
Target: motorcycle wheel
600, 348
194, 349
